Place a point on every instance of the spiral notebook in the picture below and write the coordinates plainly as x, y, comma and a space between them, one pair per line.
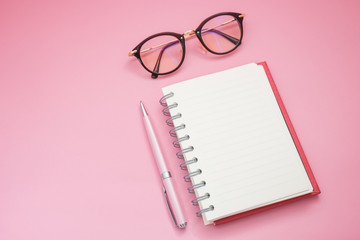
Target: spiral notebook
237, 143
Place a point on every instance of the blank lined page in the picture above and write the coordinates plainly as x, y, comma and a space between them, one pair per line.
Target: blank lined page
244, 149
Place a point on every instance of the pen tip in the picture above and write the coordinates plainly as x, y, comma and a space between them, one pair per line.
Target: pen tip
143, 108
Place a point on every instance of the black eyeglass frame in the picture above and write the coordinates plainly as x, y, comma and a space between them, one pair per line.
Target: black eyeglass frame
181, 37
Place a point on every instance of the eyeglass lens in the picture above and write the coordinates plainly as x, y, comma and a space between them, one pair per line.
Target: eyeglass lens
221, 34
161, 54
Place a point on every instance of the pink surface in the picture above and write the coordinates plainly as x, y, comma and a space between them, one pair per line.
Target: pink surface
74, 159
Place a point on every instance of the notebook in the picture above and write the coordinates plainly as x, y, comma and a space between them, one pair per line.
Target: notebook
238, 146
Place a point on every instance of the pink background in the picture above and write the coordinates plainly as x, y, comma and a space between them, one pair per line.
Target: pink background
74, 160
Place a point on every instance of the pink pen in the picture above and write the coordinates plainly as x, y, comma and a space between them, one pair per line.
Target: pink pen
171, 199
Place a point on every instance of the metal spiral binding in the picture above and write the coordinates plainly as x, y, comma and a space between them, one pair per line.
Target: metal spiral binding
166, 109
169, 121
180, 154
192, 188
176, 143
196, 201
188, 176
210, 208
183, 165
172, 132
163, 99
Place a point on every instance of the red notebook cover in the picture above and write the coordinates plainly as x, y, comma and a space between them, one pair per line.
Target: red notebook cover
301, 153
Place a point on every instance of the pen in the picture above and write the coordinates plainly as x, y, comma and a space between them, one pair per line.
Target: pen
171, 199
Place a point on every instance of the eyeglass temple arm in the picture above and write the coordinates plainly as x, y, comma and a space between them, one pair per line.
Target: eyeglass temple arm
233, 40
157, 64
151, 48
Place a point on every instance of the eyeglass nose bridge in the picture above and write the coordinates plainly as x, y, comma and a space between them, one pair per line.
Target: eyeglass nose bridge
190, 34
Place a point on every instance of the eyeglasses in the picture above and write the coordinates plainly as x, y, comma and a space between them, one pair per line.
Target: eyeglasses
163, 53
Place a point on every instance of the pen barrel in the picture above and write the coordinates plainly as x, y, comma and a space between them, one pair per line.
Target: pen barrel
155, 145
174, 203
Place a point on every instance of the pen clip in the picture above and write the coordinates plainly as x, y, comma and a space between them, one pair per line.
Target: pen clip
168, 206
